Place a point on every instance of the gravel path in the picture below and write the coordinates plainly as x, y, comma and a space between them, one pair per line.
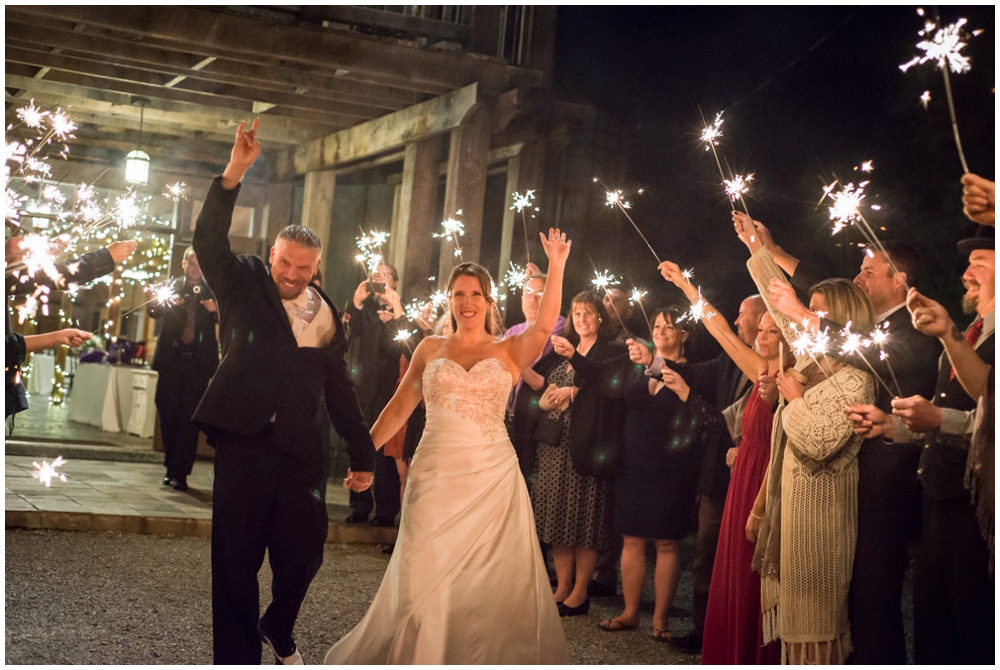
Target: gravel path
88, 598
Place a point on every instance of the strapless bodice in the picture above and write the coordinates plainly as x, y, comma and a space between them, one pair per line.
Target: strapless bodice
477, 395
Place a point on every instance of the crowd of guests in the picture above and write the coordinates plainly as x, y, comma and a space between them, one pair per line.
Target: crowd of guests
806, 476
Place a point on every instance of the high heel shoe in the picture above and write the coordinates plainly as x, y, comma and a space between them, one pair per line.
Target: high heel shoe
579, 610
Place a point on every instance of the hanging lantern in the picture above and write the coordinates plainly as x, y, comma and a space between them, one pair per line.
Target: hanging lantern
137, 160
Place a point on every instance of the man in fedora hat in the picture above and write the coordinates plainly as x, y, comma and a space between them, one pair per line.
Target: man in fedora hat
953, 603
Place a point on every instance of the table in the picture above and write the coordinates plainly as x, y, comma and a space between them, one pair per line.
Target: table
42, 374
103, 396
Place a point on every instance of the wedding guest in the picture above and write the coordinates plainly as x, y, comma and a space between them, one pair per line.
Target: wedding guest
185, 358
572, 505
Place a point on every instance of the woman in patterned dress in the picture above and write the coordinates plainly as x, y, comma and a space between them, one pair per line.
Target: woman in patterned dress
573, 510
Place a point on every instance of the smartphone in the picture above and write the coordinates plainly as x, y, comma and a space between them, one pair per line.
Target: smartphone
376, 287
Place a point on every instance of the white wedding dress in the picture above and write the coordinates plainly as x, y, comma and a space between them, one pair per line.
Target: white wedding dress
466, 582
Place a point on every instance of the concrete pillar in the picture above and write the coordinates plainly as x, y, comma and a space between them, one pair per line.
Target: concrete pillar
278, 211
465, 187
415, 216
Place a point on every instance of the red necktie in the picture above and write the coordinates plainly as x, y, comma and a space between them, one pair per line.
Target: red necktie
971, 335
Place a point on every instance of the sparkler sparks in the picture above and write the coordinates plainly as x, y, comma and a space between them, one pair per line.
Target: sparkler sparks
615, 198
845, 210
46, 472
737, 186
710, 134
515, 277
944, 48
403, 335
126, 211
636, 297
699, 310
370, 246
439, 299
175, 192
522, 201
925, 98
164, 293
31, 116
452, 229
687, 274
603, 280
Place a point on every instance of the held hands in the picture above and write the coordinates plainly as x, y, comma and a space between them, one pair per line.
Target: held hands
919, 414
245, 151
562, 346
639, 352
556, 246
929, 316
979, 197
121, 250
869, 421
358, 481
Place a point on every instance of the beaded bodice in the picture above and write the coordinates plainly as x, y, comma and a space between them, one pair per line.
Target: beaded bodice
478, 395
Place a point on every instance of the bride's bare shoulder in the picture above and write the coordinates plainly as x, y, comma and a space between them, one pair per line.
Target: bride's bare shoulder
428, 349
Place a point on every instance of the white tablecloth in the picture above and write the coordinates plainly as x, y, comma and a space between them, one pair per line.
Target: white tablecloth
42, 374
102, 397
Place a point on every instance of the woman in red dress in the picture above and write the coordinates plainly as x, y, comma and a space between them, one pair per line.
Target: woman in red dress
733, 633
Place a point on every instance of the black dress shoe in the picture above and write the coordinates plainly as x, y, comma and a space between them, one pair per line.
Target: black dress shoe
181, 484
691, 642
382, 522
354, 517
169, 481
579, 610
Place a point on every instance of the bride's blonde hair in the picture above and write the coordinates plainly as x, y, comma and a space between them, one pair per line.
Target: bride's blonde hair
485, 283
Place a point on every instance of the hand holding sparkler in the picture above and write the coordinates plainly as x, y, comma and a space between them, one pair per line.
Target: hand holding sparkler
638, 351
918, 413
245, 151
782, 297
562, 346
979, 198
789, 386
929, 316
869, 421
747, 230
122, 249
70, 337
768, 388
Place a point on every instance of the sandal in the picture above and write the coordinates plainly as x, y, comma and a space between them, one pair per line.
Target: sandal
616, 625
662, 635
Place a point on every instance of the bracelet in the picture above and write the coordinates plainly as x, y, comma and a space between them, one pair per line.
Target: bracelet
756, 516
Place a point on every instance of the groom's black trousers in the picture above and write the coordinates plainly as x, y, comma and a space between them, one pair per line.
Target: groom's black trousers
262, 499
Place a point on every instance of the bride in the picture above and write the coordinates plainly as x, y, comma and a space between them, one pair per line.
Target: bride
466, 582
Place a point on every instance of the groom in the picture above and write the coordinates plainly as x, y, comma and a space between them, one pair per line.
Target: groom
282, 356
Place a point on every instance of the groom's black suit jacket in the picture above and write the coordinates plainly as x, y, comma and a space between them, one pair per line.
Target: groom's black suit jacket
264, 373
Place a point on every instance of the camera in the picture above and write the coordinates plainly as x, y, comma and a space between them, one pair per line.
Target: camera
376, 287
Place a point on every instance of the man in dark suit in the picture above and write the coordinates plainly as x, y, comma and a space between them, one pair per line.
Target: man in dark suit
888, 489
953, 601
282, 357
186, 356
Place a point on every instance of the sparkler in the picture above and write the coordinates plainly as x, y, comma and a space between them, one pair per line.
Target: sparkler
879, 337
370, 246
515, 277
520, 203
737, 186
175, 192
453, 228
615, 199
635, 298
817, 344
945, 50
46, 472
404, 336
603, 281
164, 293
854, 344
699, 310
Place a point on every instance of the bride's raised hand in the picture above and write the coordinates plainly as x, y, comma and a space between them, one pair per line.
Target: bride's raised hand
556, 246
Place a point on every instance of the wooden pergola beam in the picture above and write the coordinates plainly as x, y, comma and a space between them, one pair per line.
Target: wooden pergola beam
392, 131
247, 38
161, 116
345, 113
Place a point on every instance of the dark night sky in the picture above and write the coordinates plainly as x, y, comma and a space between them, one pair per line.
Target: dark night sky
807, 92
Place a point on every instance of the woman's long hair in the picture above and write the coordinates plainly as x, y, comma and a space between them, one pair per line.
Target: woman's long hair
594, 301
846, 303
476, 270
674, 315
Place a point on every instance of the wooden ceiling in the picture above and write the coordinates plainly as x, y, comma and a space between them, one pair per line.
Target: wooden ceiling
202, 70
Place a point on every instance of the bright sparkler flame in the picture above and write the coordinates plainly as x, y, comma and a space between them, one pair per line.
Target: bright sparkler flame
39, 256
853, 342
687, 274
62, 125
415, 309
710, 134
846, 206
439, 299
515, 277
637, 296
615, 198
403, 335
522, 201
602, 280
164, 293
880, 336
31, 116
867, 166
46, 472
925, 98
126, 211
945, 48
175, 191
370, 245
699, 310
737, 186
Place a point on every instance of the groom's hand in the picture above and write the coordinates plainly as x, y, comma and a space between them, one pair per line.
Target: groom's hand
358, 481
